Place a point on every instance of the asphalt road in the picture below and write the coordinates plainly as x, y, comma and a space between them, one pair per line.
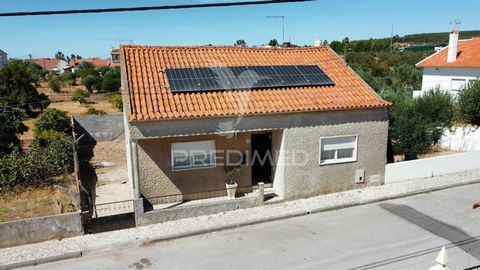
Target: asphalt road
404, 233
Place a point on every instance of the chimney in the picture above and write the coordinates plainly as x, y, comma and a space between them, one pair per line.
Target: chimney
453, 47
318, 42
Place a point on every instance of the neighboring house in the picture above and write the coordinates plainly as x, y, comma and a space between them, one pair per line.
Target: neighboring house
52, 65
318, 127
115, 57
97, 62
453, 67
3, 58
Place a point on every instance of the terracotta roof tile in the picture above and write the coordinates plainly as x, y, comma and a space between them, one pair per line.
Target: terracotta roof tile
468, 56
151, 99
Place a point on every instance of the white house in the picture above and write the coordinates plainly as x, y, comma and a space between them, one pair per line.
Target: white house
453, 67
52, 65
3, 58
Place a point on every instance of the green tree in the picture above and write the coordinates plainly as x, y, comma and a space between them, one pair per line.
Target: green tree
12, 126
69, 77
53, 119
80, 96
55, 83
469, 104
241, 43
418, 124
59, 56
273, 43
92, 82
85, 69
18, 80
111, 81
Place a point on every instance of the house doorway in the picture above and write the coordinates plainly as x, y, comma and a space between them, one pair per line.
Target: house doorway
261, 158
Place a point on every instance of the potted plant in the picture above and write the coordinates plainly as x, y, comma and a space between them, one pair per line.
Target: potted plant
230, 173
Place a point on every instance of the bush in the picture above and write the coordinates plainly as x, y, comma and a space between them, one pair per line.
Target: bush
116, 101
92, 82
50, 155
418, 124
469, 104
53, 119
80, 96
69, 77
55, 83
93, 111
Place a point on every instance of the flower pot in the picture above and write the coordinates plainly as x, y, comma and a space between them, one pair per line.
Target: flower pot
231, 190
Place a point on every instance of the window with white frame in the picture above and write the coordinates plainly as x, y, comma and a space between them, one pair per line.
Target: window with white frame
458, 84
338, 149
190, 155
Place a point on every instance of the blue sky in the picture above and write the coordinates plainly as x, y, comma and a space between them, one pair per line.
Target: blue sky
82, 34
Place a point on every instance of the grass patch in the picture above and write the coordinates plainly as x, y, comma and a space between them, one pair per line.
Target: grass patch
2, 217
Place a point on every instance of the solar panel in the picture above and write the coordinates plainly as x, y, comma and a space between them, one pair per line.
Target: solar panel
245, 77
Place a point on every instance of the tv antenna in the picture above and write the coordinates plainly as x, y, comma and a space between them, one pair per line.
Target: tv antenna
283, 25
456, 23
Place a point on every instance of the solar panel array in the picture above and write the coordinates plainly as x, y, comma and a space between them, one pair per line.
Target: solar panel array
245, 77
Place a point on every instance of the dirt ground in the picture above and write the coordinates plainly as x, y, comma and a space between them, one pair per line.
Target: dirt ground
110, 166
435, 152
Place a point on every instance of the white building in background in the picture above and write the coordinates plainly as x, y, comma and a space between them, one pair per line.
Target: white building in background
3, 58
453, 67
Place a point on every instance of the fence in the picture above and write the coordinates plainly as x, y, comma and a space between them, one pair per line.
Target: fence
198, 197
430, 167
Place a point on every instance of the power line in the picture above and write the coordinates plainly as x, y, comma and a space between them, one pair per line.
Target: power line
126, 9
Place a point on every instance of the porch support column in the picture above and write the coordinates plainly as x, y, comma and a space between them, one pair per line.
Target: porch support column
135, 176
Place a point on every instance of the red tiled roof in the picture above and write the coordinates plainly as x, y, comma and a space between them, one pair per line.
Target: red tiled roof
468, 56
47, 63
97, 62
151, 99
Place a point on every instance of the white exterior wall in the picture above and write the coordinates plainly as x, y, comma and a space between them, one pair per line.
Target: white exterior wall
430, 167
442, 77
464, 139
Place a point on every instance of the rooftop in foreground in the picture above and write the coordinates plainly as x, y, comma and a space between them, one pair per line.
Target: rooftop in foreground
151, 98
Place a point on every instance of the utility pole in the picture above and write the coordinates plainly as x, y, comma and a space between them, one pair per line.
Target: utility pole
391, 41
283, 25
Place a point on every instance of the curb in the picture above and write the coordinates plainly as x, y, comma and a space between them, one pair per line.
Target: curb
293, 214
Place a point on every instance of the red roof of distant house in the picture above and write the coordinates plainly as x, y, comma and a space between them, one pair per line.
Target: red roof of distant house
47, 63
151, 99
97, 62
468, 56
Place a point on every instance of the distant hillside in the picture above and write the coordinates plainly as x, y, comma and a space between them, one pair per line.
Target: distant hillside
436, 38
383, 44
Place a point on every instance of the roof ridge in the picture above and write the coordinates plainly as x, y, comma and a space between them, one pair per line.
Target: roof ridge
223, 47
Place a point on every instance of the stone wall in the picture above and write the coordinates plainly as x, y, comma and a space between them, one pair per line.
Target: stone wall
33, 230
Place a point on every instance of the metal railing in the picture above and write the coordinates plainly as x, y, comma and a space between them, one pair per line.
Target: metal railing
112, 208
187, 199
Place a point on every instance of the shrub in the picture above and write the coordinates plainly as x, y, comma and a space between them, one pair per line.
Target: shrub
50, 155
93, 111
80, 96
469, 104
69, 77
116, 101
55, 83
53, 119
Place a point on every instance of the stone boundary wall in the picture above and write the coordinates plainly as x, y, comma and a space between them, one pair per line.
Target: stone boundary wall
33, 230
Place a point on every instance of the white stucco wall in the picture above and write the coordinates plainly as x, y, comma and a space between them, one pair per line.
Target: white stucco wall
430, 167
442, 77
464, 139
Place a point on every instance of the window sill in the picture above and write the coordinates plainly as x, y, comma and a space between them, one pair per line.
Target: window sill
338, 161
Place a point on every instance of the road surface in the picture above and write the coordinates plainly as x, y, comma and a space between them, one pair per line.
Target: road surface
404, 233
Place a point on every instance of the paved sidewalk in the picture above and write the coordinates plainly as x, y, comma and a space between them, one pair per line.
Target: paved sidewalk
92, 244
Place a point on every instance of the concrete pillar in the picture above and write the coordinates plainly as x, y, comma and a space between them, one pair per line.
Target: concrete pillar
138, 210
261, 189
